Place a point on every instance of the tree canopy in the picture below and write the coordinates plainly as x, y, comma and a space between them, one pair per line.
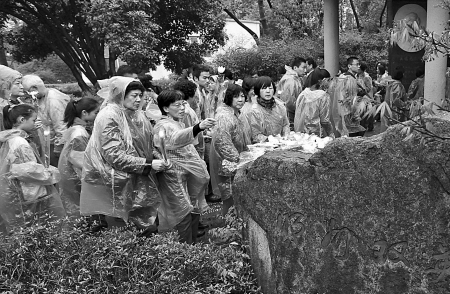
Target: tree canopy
141, 32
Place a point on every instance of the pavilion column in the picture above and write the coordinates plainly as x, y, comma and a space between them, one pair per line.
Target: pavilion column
331, 36
435, 80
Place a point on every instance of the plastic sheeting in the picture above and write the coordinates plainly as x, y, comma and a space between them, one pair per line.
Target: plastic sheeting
71, 164
227, 143
265, 122
115, 157
27, 192
185, 182
313, 113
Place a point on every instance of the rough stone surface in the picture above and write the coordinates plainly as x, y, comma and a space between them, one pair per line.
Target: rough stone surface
364, 215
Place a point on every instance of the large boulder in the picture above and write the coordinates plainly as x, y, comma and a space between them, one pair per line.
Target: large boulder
364, 215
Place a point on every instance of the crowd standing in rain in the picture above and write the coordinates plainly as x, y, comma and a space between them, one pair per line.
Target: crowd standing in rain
157, 160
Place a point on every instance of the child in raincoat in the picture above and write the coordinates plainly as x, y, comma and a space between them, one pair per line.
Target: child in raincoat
27, 192
77, 114
183, 184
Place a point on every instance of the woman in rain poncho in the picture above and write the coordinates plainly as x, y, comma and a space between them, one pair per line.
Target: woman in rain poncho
183, 184
77, 114
27, 192
268, 116
227, 143
118, 177
312, 114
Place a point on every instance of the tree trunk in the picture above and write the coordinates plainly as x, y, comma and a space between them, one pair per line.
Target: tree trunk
358, 24
254, 35
382, 13
262, 18
3, 60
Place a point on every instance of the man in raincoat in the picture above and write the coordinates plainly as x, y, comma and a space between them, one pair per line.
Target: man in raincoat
185, 182
290, 86
51, 106
118, 178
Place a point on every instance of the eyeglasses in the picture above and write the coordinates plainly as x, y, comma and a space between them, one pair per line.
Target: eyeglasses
356, 64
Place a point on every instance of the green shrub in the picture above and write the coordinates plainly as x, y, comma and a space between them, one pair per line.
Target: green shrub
271, 55
49, 259
69, 89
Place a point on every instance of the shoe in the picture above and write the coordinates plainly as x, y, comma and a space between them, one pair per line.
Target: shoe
211, 198
201, 233
202, 226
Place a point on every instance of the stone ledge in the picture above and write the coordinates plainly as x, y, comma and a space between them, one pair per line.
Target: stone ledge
364, 215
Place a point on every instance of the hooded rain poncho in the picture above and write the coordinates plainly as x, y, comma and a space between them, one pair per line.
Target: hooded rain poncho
114, 160
183, 184
27, 191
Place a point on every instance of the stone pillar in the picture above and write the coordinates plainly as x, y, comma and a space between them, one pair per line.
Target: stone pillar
435, 79
331, 36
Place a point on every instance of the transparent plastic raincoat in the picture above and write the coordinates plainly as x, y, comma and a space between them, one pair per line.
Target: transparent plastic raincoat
51, 113
290, 87
27, 191
185, 182
71, 164
228, 142
265, 122
115, 157
190, 119
312, 114
347, 108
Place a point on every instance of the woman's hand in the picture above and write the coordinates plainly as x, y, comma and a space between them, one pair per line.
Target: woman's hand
158, 165
207, 123
161, 165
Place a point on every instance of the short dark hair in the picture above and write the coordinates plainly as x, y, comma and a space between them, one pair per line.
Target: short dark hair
167, 97
125, 69
197, 69
316, 76
228, 74
363, 66
233, 91
187, 87
381, 67
248, 83
263, 82
398, 73
134, 85
297, 61
351, 59
311, 61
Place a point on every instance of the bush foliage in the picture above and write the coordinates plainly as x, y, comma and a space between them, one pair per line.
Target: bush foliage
52, 70
52, 259
271, 56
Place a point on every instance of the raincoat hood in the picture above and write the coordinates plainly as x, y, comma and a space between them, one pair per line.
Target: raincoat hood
7, 78
290, 71
9, 134
311, 96
114, 93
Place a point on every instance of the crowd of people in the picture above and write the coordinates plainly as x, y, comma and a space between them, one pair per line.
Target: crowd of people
155, 158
